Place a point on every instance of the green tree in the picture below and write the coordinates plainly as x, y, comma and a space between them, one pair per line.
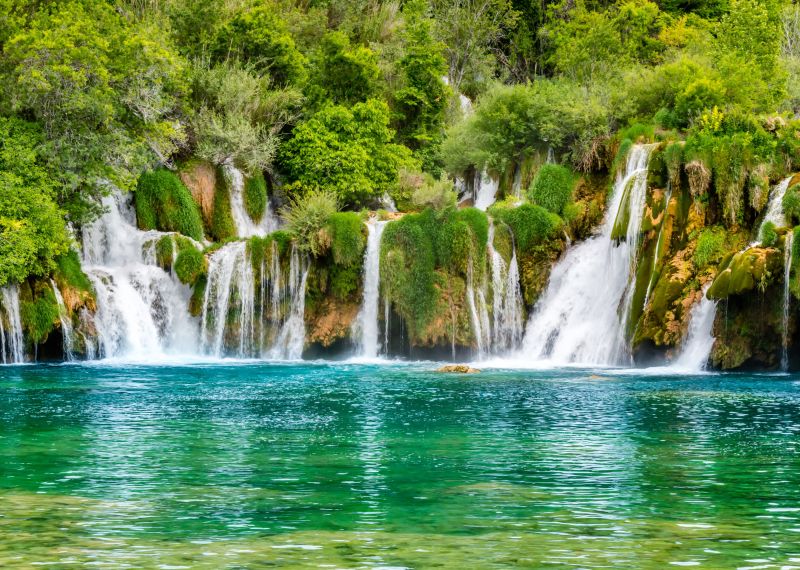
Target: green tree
32, 230
345, 74
347, 151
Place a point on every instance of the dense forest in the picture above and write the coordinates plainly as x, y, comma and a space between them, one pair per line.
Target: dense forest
335, 111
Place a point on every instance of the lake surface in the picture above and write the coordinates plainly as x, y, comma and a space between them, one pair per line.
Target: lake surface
356, 466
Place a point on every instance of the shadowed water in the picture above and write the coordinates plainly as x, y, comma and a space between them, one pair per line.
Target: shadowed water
251, 465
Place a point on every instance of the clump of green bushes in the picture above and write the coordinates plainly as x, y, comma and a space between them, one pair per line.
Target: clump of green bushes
164, 203
791, 204
530, 223
552, 187
710, 247
255, 196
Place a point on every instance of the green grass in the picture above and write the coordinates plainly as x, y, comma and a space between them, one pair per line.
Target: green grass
164, 203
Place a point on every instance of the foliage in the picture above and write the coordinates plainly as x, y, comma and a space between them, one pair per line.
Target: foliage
68, 272
164, 203
260, 37
255, 196
791, 204
32, 232
552, 187
105, 92
345, 74
768, 235
436, 194
348, 152
347, 238
190, 265
710, 247
39, 315
306, 218
531, 224
222, 225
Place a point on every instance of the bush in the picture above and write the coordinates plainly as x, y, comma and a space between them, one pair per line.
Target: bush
222, 225
710, 247
530, 223
791, 204
436, 194
307, 217
255, 197
552, 187
768, 235
164, 203
346, 232
39, 316
68, 272
190, 265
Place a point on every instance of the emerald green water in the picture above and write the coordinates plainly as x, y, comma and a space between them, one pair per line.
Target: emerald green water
345, 466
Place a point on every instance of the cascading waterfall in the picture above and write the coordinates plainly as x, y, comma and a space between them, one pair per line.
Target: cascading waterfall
774, 212
485, 190
787, 270
67, 330
245, 226
582, 314
11, 341
230, 290
478, 313
699, 340
507, 322
365, 327
141, 309
291, 338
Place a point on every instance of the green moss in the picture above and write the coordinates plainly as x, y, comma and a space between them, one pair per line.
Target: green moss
673, 158
532, 225
39, 315
164, 203
347, 238
343, 281
552, 187
255, 197
164, 252
222, 225
768, 235
791, 204
190, 265
744, 271
68, 272
710, 247
198, 295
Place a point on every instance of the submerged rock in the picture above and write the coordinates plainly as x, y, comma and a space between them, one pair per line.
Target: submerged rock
458, 368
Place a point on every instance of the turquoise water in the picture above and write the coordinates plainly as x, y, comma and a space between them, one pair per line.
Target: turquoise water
354, 466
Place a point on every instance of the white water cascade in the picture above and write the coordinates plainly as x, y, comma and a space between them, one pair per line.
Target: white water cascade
485, 189
582, 314
787, 270
507, 322
67, 330
365, 327
774, 212
291, 338
699, 340
141, 309
245, 226
11, 341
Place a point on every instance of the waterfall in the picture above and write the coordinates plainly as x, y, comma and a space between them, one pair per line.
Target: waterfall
67, 331
774, 212
291, 338
787, 269
699, 340
365, 327
581, 316
506, 299
478, 312
485, 191
245, 227
516, 184
11, 341
141, 309
230, 291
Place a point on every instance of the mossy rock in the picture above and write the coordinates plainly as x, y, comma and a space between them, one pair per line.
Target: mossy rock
222, 226
38, 311
745, 270
190, 264
163, 203
503, 242
200, 177
255, 197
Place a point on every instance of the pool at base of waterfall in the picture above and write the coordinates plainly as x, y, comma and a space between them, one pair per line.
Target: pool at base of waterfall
245, 464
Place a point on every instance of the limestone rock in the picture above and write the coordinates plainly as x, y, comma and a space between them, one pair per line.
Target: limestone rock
458, 369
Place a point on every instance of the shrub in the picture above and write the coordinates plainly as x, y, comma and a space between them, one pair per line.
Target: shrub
791, 204
530, 223
768, 235
347, 238
710, 247
552, 187
436, 194
69, 273
306, 218
190, 265
255, 197
164, 203
222, 225
39, 315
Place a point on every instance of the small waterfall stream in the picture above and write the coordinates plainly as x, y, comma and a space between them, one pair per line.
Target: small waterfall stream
507, 309
245, 226
699, 340
291, 338
141, 309
787, 270
11, 341
365, 328
581, 316
67, 330
774, 211
485, 189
